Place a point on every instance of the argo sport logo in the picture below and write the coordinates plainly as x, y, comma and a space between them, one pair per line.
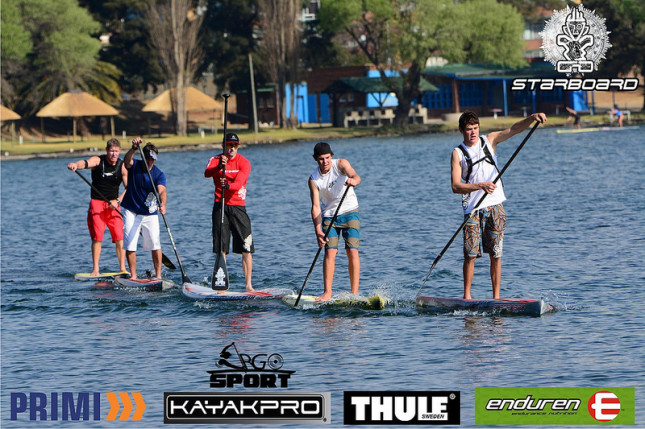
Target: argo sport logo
261, 370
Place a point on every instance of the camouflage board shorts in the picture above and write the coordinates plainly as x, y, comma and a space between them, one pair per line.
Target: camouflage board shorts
489, 223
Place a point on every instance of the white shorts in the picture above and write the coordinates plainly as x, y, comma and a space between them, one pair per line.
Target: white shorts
149, 227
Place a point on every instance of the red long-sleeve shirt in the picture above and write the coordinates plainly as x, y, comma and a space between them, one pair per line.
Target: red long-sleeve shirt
237, 173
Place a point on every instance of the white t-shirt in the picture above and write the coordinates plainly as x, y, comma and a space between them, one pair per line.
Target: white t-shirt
331, 187
483, 171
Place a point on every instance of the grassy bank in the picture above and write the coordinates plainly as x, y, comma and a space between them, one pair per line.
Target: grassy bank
60, 146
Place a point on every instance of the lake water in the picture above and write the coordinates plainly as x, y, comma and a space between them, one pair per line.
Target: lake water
575, 235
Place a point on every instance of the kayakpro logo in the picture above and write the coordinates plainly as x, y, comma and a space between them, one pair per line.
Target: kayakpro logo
402, 408
575, 40
554, 405
248, 408
75, 406
259, 371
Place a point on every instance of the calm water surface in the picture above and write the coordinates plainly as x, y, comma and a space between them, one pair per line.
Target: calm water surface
575, 235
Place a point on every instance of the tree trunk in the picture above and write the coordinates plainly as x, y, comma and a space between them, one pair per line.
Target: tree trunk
406, 95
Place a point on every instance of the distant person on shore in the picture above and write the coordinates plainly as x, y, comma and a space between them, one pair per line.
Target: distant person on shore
141, 207
107, 175
236, 221
618, 115
573, 115
473, 170
326, 187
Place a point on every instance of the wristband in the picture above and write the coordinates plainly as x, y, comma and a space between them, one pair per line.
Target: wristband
86, 164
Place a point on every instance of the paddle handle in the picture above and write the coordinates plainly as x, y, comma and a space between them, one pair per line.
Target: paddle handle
313, 264
481, 200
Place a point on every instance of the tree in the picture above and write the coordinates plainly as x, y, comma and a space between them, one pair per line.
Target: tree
399, 36
63, 54
280, 42
174, 27
128, 48
16, 45
626, 22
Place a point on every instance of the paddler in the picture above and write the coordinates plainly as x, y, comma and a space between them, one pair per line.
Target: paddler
236, 221
107, 175
473, 170
326, 187
141, 207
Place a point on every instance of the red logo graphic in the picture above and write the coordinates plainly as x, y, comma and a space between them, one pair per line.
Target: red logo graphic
604, 406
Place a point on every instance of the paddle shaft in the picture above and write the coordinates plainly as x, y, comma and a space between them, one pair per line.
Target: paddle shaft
220, 259
313, 264
166, 261
184, 277
481, 200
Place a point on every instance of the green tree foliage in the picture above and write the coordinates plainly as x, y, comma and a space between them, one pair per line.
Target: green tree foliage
401, 35
229, 37
531, 8
625, 19
16, 45
64, 55
128, 48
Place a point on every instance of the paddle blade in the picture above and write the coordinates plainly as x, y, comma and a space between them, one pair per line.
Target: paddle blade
219, 280
167, 262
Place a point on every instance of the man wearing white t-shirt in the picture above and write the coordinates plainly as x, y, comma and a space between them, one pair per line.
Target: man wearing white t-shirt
326, 187
473, 170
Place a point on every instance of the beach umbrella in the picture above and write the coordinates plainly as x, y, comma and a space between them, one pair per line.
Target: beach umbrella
196, 101
75, 105
9, 115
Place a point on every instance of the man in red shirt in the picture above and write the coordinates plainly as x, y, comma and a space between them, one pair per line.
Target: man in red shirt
236, 221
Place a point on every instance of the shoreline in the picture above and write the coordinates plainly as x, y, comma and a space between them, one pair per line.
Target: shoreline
171, 143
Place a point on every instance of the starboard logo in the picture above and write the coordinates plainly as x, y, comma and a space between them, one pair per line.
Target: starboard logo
406, 407
261, 370
575, 40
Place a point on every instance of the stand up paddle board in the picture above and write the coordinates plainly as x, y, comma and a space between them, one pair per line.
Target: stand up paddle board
88, 277
352, 301
146, 284
195, 291
529, 307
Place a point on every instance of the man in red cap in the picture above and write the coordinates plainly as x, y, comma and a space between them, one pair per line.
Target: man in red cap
236, 220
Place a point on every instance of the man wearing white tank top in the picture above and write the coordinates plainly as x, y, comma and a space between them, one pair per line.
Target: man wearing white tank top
326, 187
473, 171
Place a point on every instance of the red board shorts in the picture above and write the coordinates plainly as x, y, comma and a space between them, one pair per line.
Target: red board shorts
485, 228
101, 215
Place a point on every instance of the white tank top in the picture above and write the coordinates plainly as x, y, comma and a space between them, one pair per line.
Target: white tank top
331, 187
482, 172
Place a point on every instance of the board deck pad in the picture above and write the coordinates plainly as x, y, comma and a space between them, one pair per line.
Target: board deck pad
87, 277
197, 291
376, 302
147, 284
530, 307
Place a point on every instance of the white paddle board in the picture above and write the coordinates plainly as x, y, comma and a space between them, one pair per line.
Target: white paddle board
196, 291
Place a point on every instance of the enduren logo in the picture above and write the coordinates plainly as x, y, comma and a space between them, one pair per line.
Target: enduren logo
554, 405
604, 406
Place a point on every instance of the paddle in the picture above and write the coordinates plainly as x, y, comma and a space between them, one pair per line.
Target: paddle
481, 200
164, 259
333, 219
184, 277
219, 279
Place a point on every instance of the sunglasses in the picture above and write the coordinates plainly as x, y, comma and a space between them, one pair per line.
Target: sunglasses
232, 145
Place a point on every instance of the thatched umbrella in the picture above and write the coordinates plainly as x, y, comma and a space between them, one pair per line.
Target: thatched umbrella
76, 105
196, 101
9, 115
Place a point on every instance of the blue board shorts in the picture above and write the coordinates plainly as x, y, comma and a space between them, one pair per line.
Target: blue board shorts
349, 225
485, 228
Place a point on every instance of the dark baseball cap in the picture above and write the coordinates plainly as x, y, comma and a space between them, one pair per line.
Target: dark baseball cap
150, 151
322, 148
232, 138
